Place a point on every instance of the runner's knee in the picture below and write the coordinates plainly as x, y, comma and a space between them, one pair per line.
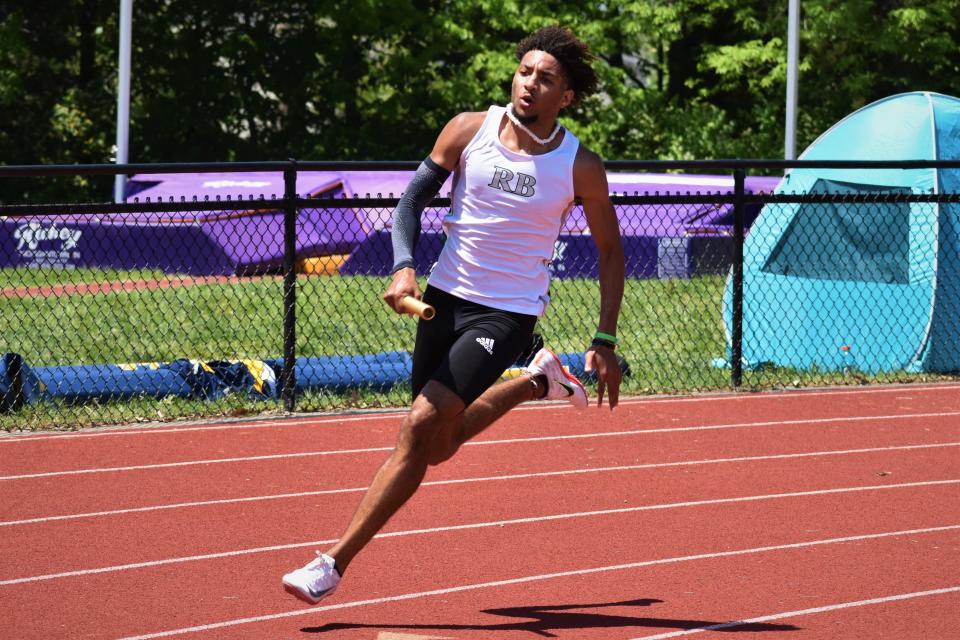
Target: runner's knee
416, 436
426, 433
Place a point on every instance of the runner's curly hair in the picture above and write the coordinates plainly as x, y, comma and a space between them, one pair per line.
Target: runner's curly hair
573, 55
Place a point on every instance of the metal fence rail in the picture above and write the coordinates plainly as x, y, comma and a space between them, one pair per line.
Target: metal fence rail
156, 309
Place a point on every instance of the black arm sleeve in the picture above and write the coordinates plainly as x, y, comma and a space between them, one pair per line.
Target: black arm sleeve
423, 187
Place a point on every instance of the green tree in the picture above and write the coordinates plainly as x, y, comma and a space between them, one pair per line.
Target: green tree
55, 90
377, 79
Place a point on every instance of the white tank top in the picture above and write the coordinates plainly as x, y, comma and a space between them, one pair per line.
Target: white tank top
506, 212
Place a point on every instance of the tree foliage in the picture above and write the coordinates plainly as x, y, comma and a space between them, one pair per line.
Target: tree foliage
377, 79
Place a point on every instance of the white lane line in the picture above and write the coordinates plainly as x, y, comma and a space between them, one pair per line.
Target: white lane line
190, 463
479, 525
6, 438
602, 434
526, 579
803, 612
713, 427
251, 424
516, 476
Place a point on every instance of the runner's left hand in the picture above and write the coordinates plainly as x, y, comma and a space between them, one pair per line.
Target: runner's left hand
604, 361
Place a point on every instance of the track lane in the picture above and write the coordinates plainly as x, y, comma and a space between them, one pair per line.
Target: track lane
62, 546
70, 452
38, 497
379, 446
197, 591
891, 617
673, 598
230, 588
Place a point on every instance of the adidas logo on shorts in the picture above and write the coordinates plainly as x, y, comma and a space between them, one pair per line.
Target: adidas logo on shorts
486, 343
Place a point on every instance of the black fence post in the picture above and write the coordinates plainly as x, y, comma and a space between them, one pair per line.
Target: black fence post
288, 375
736, 330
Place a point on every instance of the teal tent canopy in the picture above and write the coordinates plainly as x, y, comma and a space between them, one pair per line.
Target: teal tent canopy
870, 285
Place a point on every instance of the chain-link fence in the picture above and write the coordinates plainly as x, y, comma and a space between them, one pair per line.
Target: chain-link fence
157, 308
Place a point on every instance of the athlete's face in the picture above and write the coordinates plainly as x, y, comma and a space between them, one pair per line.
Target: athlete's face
540, 86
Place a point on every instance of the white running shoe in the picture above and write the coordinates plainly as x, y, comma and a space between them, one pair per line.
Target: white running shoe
561, 384
313, 582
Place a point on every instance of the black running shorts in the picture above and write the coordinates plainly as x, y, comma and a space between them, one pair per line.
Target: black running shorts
467, 346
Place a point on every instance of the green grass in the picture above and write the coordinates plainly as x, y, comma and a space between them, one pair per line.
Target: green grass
670, 331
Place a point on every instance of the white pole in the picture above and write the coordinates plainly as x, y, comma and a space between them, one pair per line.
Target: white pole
123, 95
793, 55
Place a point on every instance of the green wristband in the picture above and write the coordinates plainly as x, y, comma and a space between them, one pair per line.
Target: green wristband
606, 336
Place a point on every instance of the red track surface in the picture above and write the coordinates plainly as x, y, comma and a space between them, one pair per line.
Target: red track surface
830, 514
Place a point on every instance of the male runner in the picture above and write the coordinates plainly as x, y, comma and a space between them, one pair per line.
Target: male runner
516, 174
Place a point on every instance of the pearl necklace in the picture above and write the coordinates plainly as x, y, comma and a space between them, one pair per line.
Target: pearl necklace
536, 138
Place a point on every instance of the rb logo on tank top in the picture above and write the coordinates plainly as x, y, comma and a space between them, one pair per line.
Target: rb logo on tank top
503, 177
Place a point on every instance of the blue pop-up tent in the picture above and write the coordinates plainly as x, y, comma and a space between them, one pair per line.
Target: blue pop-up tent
870, 285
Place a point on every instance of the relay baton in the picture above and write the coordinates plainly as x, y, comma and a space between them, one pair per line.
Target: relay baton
409, 304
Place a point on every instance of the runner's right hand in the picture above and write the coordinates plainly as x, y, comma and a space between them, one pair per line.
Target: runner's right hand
404, 283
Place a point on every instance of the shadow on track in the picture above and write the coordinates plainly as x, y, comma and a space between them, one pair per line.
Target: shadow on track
544, 619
